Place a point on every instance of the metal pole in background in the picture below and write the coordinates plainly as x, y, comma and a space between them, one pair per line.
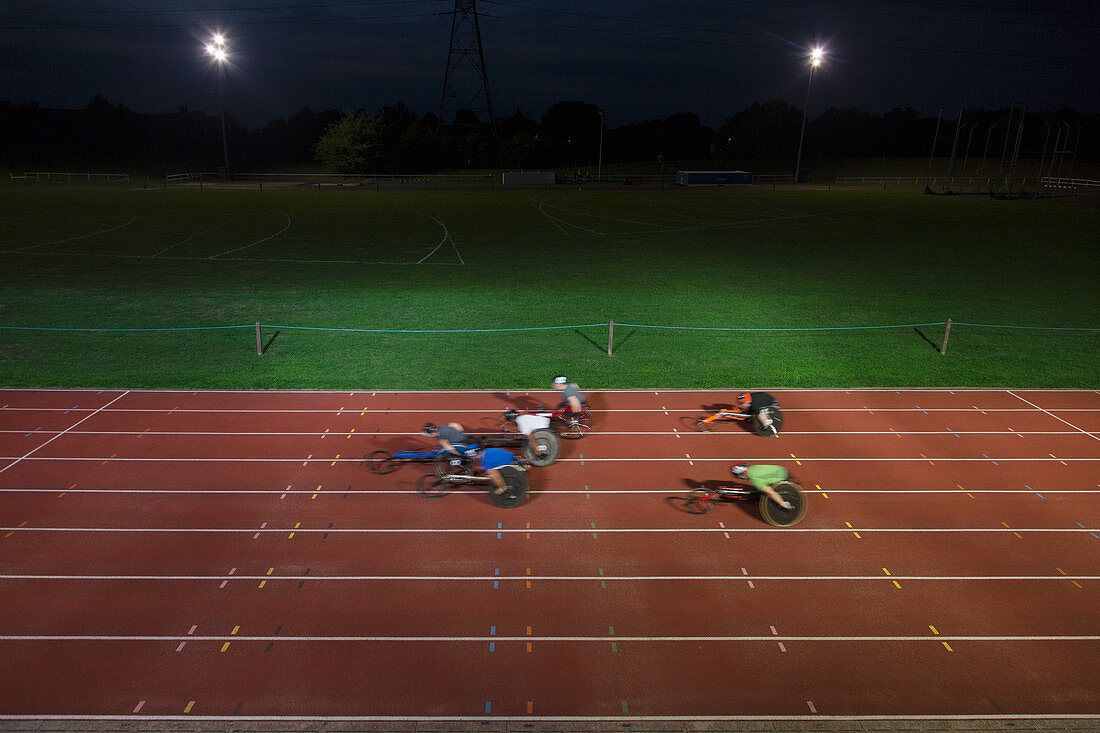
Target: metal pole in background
599, 159
610, 335
988, 135
954, 147
932, 155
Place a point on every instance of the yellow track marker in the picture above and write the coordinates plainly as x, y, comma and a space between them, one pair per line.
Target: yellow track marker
927, 459
947, 647
349, 434
337, 458
112, 456
189, 706
967, 492
235, 630
225, 646
933, 629
530, 707
796, 460
849, 525
296, 526
527, 535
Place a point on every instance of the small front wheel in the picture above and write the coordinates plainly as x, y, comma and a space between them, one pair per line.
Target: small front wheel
541, 448
705, 422
381, 462
776, 515
575, 427
700, 501
431, 485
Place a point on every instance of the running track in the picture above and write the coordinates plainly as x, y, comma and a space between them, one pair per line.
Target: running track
214, 555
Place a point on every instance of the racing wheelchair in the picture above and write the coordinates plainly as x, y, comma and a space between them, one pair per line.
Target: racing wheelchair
702, 500
766, 423
384, 461
434, 486
568, 425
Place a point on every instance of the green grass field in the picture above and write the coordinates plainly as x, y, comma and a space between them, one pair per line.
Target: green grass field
91, 258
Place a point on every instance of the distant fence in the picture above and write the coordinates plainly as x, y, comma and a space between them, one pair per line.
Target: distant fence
73, 177
1072, 184
610, 326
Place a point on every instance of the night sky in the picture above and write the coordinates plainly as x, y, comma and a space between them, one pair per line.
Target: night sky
637, 59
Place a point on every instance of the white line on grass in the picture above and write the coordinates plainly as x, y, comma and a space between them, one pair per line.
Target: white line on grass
252, 244
73, 239
196, 236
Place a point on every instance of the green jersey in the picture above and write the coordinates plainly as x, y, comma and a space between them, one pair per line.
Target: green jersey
764, 476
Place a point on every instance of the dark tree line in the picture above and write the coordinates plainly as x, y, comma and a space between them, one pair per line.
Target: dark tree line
106, 137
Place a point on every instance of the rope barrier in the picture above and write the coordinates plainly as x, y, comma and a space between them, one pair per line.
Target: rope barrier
545, 328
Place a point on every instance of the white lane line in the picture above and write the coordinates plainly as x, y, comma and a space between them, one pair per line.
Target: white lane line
558, 578
788, 532
87, 417
466, 411
530, 719
674, 432
643, 459
1091, 435
546, 639
564, 492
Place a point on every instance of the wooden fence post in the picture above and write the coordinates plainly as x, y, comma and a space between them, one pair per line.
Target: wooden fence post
946, 335
610, 335
259, 341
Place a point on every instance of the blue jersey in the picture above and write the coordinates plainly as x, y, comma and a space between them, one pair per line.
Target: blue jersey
495, 458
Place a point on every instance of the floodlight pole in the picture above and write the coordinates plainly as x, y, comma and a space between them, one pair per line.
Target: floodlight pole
802, 134
221, 111
599, 159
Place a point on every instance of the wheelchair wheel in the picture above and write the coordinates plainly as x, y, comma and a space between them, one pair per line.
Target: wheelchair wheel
699, 501
704, 423
381, 461
575, 428
776, 515
515, 479
546, 448
774, 416
431, 485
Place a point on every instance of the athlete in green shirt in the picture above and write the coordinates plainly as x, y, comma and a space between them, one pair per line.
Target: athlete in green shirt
763, 477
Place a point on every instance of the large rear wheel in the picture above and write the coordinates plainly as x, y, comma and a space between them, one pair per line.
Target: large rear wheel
541, 448
381, 461
776, 515
768, 422
515, 482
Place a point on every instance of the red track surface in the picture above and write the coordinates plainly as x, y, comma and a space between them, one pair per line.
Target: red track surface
226, 554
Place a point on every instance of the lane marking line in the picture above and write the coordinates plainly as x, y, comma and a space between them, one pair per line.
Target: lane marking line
43, 445
1080, 430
